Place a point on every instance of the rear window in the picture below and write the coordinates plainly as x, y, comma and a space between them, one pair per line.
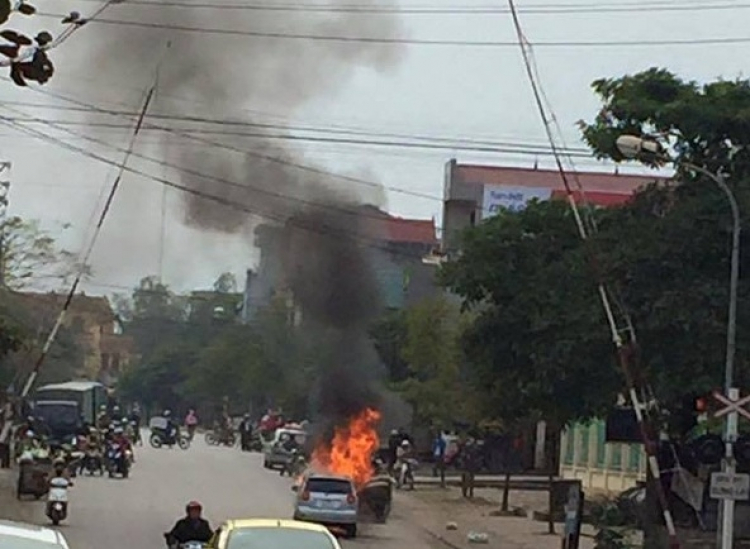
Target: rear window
58, 414
329, 486
278, 538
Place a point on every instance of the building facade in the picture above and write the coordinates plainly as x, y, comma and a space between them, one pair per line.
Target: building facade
472, 193
106, 351
395, 246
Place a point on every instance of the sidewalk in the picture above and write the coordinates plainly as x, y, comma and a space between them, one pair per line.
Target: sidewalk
432, 509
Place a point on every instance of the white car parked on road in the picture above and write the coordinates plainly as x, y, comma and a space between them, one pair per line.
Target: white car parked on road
18, 535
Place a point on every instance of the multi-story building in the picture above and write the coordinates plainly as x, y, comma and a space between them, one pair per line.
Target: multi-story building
473, 193
396, 246
106, 351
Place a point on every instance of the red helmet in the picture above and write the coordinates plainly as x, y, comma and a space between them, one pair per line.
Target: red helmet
192, 506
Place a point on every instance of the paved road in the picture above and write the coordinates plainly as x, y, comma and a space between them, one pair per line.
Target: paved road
123, 514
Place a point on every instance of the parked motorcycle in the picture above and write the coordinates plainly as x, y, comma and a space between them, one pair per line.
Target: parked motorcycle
215, 438
404, 472
117, 461
57, 499
160, 437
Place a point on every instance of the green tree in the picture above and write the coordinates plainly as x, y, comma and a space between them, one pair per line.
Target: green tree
435, 384
388, 334
670, 249
30, 255
538, 344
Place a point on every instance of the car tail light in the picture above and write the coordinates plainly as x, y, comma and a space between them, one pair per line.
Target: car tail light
351, 499
305, 495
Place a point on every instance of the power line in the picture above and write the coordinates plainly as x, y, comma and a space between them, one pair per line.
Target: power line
321, 229
541, 9
254, 154
478, 148
412, 41
284, 127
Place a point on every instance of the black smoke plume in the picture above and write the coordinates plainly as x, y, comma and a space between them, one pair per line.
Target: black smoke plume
310, 224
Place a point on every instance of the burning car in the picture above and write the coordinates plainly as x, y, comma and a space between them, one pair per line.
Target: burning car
349, 455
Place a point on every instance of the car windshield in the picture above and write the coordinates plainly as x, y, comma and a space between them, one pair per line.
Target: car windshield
329, 486
15, 542
278, 538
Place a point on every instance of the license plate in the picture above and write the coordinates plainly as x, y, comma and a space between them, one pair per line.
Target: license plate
324, 504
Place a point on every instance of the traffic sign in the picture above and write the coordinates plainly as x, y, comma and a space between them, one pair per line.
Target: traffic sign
732, 405
734, 486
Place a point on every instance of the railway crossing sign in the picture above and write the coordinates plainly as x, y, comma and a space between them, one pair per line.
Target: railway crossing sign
732, 405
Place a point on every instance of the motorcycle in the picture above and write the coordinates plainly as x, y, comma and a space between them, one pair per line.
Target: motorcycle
57, 499
404, 472
160, 437
217, 438
296, 465
117, 461
93, 462
172, 544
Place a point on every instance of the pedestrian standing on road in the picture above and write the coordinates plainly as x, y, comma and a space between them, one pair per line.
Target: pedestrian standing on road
469, 466
394, 441
439, 446
191, 423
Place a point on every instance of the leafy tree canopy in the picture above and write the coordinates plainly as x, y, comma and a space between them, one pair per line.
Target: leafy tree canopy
540, 343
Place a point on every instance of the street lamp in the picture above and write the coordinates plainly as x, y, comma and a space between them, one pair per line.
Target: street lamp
632, 146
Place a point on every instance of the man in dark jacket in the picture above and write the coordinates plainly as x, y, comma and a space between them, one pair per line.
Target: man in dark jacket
191, 528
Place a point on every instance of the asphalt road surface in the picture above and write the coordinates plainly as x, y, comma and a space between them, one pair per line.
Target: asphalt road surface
134, 513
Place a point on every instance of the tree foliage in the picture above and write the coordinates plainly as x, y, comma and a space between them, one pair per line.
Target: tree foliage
27, 57
31, 256
540, 342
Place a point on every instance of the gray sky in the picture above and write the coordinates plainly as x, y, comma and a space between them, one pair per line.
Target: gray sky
450, 91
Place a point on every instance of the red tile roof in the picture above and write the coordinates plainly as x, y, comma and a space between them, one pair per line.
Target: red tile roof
601, 188
389, 228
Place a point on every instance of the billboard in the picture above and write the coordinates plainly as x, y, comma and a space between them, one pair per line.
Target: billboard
498, 197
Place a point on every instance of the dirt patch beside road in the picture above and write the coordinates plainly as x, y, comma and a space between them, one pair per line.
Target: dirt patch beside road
433, 509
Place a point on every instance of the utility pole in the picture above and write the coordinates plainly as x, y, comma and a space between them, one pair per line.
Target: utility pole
4, 191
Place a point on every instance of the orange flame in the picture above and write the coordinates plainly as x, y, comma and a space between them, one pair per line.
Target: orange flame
351, 450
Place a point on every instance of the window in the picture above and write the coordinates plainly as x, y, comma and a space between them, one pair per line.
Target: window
278, 538
329, 486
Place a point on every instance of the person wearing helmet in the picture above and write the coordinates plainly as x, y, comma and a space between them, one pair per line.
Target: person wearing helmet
102, 419
192, 527
172, 430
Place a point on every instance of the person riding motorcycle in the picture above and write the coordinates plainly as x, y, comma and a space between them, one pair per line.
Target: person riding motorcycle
192, 527
102, 419
172, 429
404, 455
119, 439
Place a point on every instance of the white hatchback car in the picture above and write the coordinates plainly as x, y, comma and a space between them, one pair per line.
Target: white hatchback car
19, 535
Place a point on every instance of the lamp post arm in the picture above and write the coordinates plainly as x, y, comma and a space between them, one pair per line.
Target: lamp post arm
720, 182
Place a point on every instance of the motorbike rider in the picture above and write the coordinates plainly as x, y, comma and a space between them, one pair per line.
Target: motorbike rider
103, 420
193, 527
404, 454
119, 438
135, 421
172, 429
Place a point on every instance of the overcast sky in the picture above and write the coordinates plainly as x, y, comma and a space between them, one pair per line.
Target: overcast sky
452, 91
